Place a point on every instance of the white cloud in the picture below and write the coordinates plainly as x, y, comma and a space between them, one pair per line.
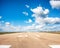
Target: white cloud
40, 12
9, 27
41, 19
52, 20
7, 23
42, 22
29, 21
27, 6
25, 13
15, 28
39, 15
55, 4
54, 27
37, 10
46, 11
0, 17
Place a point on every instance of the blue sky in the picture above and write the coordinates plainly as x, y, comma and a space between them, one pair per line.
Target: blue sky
29, 15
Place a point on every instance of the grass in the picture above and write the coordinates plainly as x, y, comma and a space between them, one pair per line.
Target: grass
55, 32
58, 32
6, 32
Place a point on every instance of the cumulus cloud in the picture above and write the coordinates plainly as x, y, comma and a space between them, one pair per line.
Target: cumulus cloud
41, 16
42, 19
7, 23
8, 27
46, 11
27, 6
54, 27
25, 13
11, 28
39, 12
42, 22
29, 21
52, 20
55, 4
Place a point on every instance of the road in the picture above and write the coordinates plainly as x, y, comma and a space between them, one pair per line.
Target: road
30, 40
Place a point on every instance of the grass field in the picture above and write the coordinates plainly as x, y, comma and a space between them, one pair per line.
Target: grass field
20, 32
9, 32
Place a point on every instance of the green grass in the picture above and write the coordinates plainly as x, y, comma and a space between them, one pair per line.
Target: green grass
58, 32
55, 32
6, 32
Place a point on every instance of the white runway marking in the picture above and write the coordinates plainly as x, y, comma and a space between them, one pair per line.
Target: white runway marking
37, 35
23, 36
54, 46
5, 46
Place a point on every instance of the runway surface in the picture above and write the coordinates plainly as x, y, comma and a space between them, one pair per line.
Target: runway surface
30, 40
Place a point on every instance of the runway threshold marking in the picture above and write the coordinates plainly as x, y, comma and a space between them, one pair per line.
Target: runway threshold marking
23, 36
5, 46
54, 46
37, 35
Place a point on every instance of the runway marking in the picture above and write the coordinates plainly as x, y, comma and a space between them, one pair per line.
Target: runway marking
37, 35
23, 36
5, 46
54, 46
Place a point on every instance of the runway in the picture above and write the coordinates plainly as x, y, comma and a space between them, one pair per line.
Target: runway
30, 40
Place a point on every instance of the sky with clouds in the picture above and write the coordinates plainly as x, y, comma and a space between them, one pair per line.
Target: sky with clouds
29, 15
